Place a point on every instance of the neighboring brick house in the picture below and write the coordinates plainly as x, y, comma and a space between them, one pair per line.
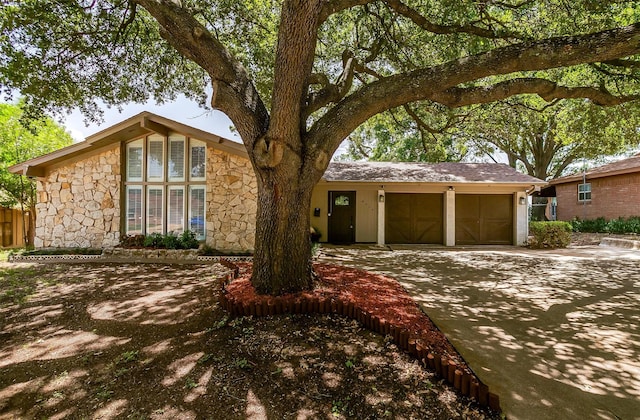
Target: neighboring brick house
608, 191
149, 174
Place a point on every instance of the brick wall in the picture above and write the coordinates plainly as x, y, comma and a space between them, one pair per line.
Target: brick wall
611, 197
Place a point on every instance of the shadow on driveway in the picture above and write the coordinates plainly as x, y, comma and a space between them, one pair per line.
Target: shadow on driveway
556, 334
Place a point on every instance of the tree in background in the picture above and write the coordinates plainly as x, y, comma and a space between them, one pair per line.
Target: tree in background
296, 77
17, 144
427, 133
545, 141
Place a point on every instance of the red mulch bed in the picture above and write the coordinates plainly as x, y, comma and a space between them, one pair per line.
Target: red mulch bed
373, 293
379, 303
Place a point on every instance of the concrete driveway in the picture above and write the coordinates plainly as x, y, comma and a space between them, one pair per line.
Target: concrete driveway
556, 334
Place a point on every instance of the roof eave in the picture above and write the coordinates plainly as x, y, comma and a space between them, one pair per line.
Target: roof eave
580, 177
381, 181
137, 126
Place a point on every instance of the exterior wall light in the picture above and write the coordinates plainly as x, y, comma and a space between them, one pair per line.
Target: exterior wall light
380, 198
522, 201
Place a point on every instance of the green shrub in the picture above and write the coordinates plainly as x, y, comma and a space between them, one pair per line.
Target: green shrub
598, 225
550, 234
155, 240
188, 240
621, 225
171, 241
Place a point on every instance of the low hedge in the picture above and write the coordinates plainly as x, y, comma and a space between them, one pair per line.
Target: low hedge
600, 225
550, 234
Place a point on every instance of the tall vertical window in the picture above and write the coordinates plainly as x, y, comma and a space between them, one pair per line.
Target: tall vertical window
584, 192
134, 161
198, 160
155, 205
176, 210
155, 158
176, 158
197, 211
165, 185
134, 210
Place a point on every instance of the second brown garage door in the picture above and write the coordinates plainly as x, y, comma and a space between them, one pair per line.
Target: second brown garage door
484, 219
413, 218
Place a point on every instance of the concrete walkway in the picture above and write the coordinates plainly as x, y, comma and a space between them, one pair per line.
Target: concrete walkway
556, 334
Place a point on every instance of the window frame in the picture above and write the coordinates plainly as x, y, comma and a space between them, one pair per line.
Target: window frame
190, 209
584, 192
166, 183
127, 218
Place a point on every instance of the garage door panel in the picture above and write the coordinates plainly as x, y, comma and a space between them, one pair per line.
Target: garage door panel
484, 219
398, 232
497, 232
428, 232
413, 218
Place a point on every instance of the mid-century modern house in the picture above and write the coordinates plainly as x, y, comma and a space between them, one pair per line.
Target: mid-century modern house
610, 191
150, 174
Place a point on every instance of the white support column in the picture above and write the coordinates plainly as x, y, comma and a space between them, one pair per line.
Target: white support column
381, 200
521, 216
450, 217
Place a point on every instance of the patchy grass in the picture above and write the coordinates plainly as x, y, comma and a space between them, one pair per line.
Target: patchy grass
128, 341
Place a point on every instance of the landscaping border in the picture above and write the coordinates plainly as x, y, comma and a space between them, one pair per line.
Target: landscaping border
458, 375
110, 254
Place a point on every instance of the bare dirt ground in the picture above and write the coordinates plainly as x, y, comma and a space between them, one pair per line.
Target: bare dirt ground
149, 341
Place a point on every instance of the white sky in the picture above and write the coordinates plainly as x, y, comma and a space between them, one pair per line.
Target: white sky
182, 110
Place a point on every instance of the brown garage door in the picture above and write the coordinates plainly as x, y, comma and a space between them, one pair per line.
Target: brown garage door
413, 218
484, 219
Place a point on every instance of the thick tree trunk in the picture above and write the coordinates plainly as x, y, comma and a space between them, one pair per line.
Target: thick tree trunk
282, 258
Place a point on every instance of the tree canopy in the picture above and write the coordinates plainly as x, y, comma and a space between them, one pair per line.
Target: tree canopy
296, 77
19, 142
544, 140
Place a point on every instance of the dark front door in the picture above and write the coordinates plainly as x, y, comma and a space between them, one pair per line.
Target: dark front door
484, 219
342, 217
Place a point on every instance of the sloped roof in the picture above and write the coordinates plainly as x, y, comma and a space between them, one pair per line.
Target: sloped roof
137, 126
621, 167
448, 172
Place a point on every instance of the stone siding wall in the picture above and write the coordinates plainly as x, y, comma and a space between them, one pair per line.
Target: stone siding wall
232, 193
611, 197
79, 204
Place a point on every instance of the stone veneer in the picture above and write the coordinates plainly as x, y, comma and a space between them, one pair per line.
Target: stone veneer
79, 203
232, 193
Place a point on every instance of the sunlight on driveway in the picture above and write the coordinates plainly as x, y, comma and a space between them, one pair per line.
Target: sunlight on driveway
555, 333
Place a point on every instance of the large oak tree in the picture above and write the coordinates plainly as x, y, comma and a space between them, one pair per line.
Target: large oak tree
296, 77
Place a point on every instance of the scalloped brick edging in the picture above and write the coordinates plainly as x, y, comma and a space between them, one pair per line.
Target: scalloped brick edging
457, 375
26, 258
147, 254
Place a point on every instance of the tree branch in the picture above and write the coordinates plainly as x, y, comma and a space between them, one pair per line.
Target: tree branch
429, 83
332, 7
234, 92
412, 14
546, 89
631, 64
